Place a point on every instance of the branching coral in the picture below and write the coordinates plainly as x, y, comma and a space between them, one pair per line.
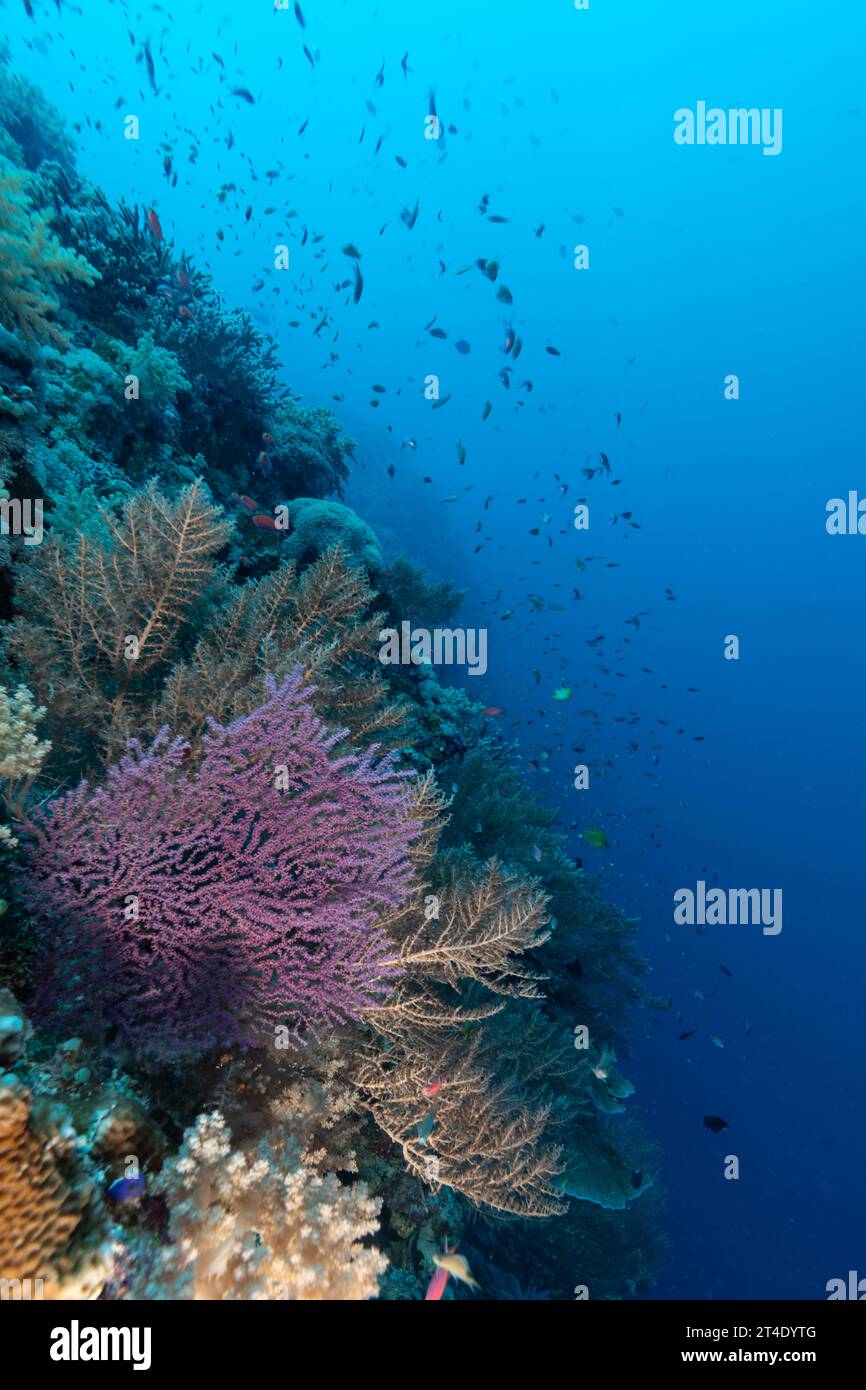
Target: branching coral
319, 621
262, 1222
99, 621
231, 906
32, 263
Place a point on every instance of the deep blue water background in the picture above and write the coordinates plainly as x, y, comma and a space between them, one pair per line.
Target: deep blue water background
718, 260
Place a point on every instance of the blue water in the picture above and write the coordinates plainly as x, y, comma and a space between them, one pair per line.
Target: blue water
704, 261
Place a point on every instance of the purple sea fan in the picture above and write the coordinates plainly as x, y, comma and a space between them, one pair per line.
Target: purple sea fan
215, 907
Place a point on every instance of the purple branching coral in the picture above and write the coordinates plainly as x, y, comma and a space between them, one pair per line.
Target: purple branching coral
220, 906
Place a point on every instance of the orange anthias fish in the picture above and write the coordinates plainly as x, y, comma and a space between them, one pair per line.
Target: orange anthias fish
435, 1086
449, 1263
186, 313
153, 224
248, 504
493, 710
267, 523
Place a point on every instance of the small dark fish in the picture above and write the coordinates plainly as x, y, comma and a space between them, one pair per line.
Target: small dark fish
716, 1123
437, 405
689, 1034
351, 250
554, 352
637, 1179
244, 95
504, 295
486, 411
410, 218
462, 346
299, 16
148, 58
308, 55
438, 333
359, 284
401, 161
380, 75
404, 61
725, 971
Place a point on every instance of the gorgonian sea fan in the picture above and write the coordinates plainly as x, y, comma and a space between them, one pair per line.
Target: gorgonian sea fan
208, 908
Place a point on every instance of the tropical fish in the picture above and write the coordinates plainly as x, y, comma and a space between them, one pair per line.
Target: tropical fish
244, 95
493, 711
127, 1189
596, 838
716, 1123
457, 1267
426, 1126
435, 1086
153, 224
562, 692
267, 523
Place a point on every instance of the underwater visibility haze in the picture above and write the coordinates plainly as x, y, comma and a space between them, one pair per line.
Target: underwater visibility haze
431, 666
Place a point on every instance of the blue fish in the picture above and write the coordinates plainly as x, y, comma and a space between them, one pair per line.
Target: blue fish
127, 1189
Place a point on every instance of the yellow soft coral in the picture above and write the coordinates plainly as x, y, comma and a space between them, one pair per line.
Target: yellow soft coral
32, 262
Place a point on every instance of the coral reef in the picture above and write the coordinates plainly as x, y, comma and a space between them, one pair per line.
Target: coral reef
326, 1011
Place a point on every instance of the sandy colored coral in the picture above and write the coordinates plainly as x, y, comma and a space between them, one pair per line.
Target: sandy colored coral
52, 1224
